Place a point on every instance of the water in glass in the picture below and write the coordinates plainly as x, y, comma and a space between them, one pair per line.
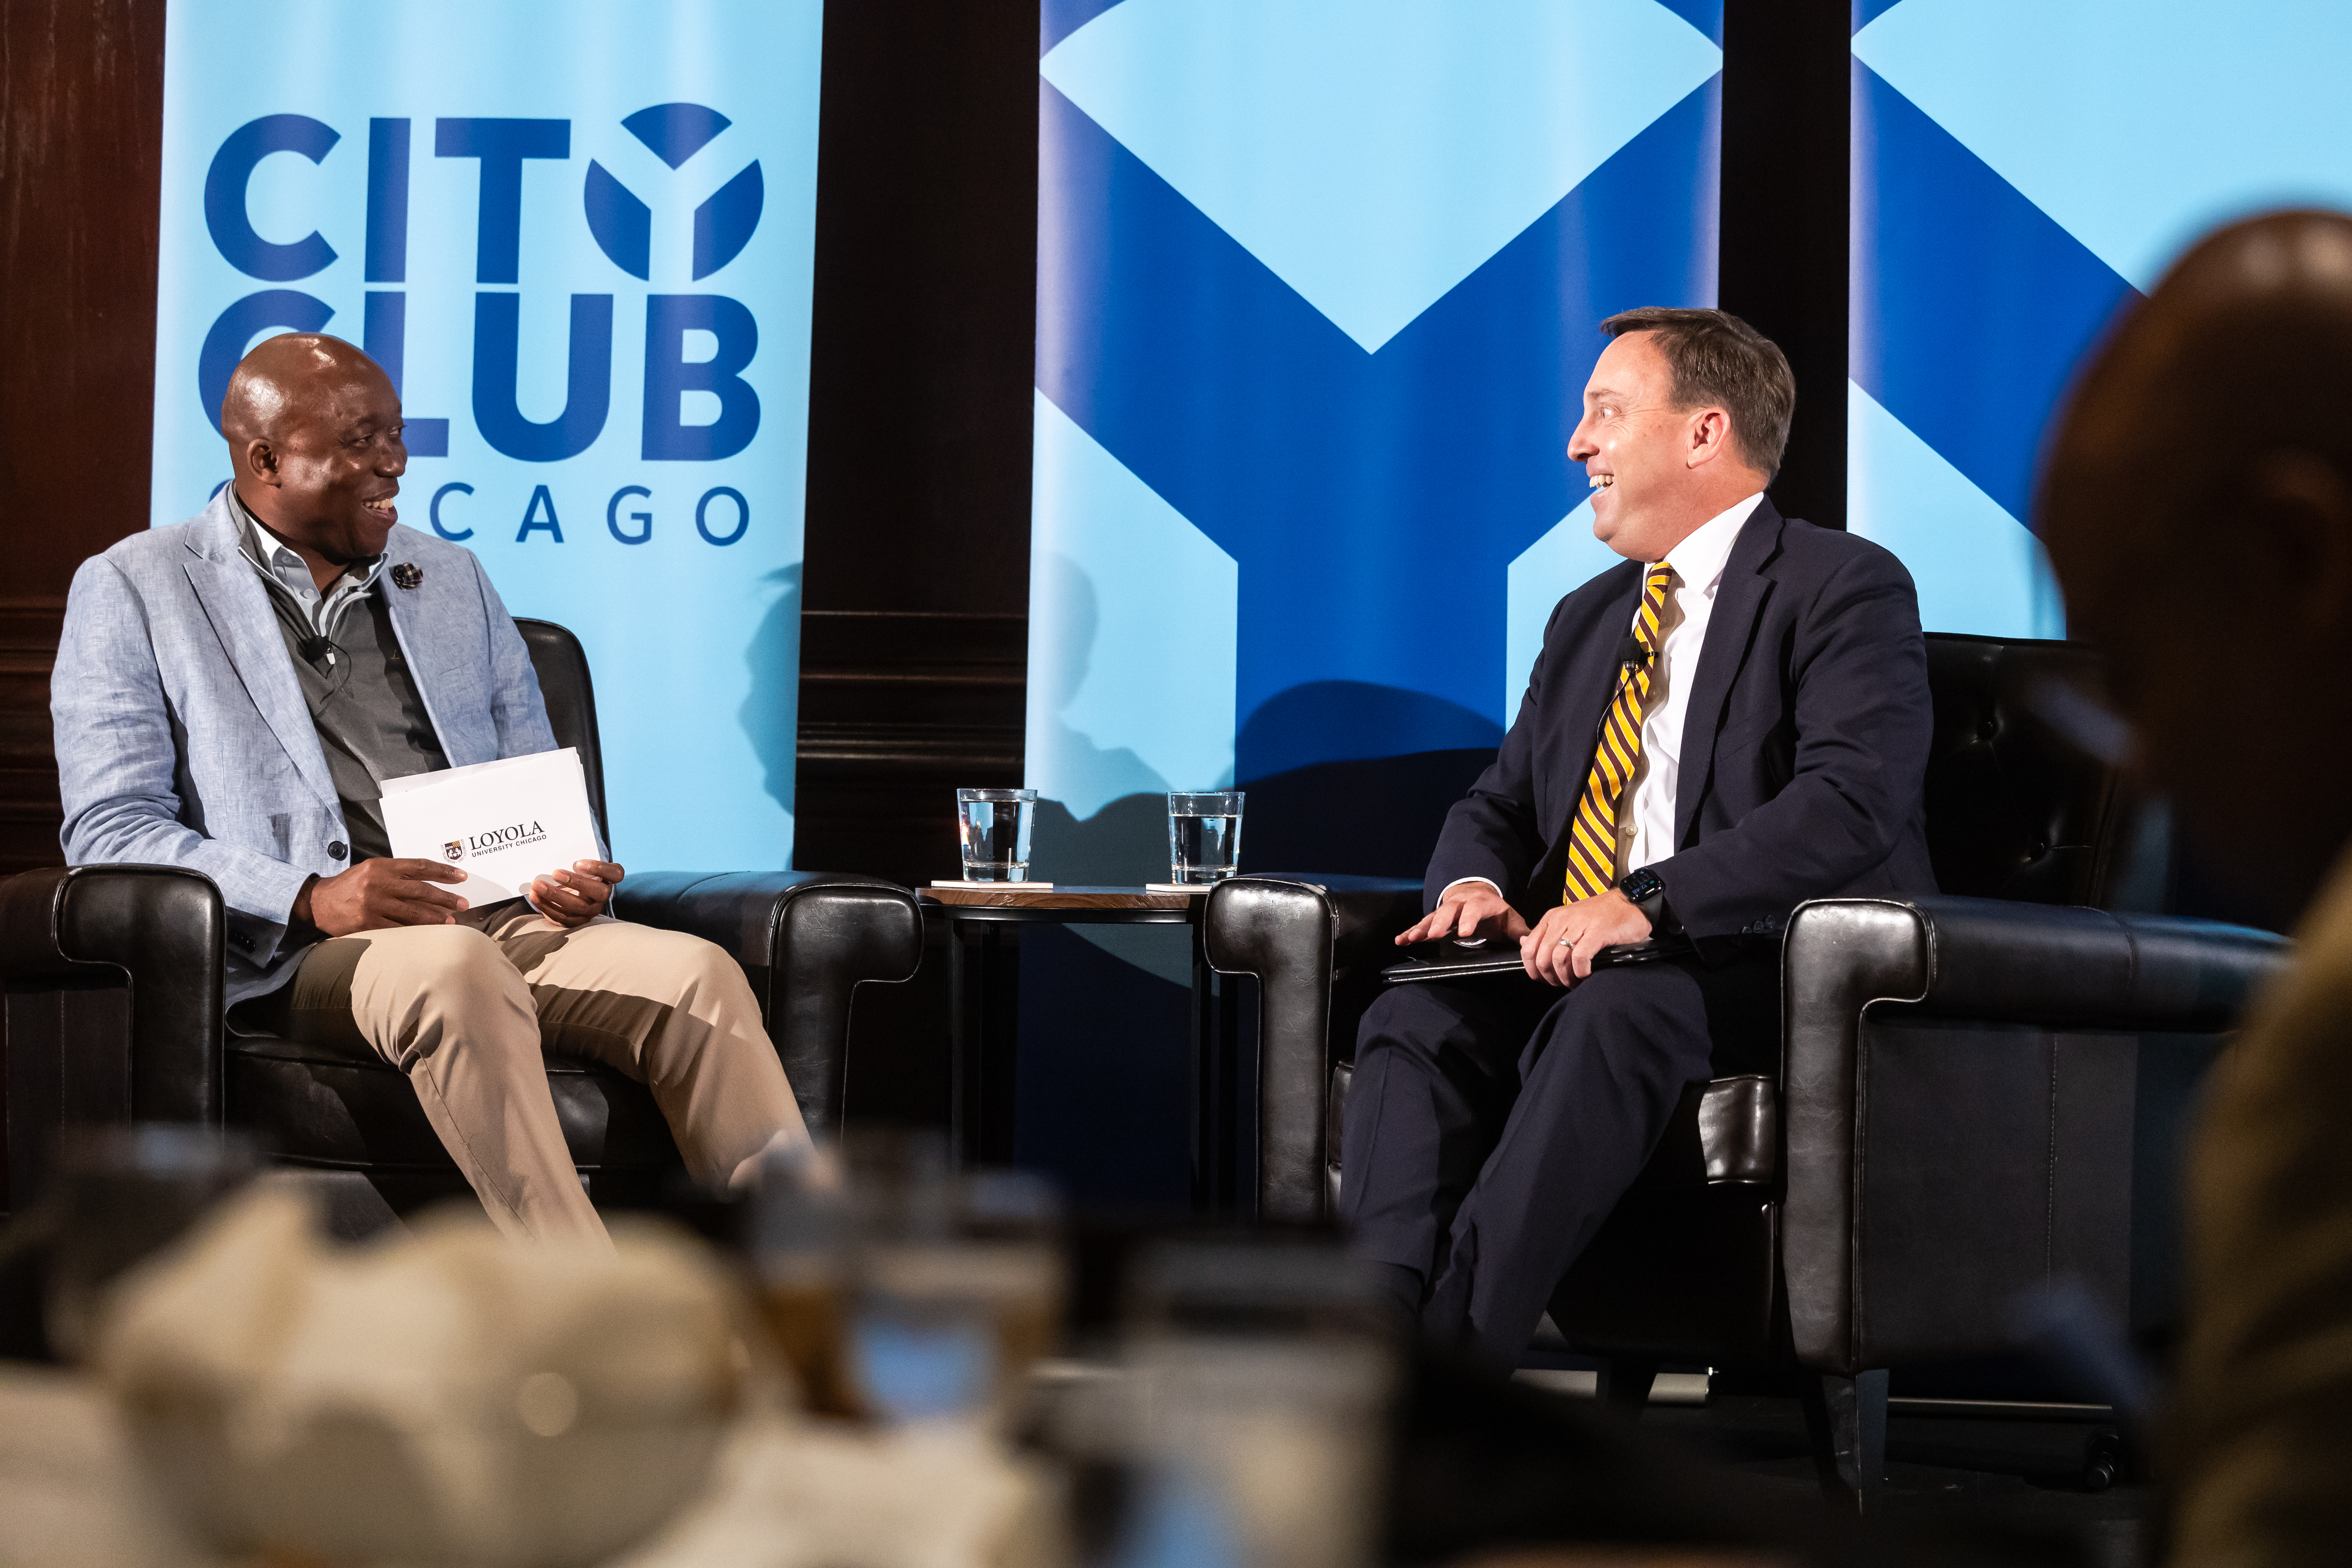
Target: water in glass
1204, 836
994, 824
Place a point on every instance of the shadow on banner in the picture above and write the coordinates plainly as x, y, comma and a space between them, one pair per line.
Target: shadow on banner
1366, 816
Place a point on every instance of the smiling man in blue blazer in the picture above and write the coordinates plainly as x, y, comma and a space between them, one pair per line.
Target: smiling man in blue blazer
231, 694
1733, 722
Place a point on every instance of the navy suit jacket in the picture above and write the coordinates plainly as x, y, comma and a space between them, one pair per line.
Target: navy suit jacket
1804, 750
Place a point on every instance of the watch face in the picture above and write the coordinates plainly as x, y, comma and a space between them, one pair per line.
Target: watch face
1640, 885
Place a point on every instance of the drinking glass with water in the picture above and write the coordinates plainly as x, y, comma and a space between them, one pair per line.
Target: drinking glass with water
1204, 836
993, 824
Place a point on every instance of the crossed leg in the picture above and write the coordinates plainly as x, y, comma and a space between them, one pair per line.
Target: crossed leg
1492, 1127
466, 1010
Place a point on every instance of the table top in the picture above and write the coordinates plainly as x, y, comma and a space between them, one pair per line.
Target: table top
1062, 896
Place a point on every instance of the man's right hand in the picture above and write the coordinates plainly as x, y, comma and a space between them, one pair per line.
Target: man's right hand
375, 894
1466, 910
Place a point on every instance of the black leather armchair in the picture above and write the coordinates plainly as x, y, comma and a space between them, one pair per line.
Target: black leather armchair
115, 1012
1981, 1091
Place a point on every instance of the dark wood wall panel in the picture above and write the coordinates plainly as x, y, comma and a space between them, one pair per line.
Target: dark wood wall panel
914, 627
914, 630
81, 117
1787, 110
898, 709
30, 814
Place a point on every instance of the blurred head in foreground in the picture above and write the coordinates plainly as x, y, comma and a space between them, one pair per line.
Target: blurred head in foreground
2199, 510
2197, 507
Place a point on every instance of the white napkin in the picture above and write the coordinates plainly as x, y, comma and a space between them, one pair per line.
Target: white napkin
827, 1495
445, 1396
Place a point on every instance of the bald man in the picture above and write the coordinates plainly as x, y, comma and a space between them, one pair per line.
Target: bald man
232, 694
2198, 509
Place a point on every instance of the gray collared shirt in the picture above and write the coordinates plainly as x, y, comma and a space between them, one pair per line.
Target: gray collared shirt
365, 704
288, 574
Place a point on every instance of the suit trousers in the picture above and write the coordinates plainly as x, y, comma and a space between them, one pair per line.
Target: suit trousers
1493, 1123
466, 1009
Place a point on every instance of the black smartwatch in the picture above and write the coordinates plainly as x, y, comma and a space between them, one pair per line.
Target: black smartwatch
1646, 891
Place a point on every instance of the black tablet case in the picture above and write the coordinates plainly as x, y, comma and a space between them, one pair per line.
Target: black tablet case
1446, 959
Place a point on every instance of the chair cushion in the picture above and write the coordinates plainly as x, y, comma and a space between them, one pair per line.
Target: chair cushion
325, 1106
1724, 1132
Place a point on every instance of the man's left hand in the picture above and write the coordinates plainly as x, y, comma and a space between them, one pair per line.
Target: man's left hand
574, 898
1559, 950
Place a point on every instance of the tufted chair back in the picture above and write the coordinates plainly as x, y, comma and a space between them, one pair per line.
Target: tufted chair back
562, 665
2019, 803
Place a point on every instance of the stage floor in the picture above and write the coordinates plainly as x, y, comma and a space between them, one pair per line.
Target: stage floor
1764, 1438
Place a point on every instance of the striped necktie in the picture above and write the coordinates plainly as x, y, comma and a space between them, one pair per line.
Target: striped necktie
1592, 833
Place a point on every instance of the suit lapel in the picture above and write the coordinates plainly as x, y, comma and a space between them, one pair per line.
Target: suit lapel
1729, 629
428, 657
238, 607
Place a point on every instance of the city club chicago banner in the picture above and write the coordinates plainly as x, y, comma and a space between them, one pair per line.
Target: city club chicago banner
578, 237
2022, 169
1318, 286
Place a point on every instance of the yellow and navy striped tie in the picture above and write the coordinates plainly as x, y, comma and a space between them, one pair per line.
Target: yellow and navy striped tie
1592, 833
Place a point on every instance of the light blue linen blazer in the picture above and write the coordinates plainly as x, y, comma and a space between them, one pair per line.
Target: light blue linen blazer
183, 737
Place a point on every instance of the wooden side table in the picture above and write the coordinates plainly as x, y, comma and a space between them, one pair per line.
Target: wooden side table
983, 979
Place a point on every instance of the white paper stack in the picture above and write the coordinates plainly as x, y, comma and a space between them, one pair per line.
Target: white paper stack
501, 823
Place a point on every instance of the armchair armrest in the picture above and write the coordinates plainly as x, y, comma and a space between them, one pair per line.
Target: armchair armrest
1981, 960
152, 936
31, 949
1315, 944
155, 930
806, 941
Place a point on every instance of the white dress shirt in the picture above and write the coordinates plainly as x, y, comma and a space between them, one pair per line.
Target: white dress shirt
1646, 834
1645, 815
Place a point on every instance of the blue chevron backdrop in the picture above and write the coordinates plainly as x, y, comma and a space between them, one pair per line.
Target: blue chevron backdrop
1318, 283
2021, 169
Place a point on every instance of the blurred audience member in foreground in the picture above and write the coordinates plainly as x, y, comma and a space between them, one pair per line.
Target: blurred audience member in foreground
2197, 508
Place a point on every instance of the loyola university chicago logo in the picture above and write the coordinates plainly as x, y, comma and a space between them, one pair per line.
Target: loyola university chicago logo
515, 835
696, 343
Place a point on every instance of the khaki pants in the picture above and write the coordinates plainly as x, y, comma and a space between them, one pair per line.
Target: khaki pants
464, 1010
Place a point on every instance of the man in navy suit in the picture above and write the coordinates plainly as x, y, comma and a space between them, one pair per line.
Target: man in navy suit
1735, 721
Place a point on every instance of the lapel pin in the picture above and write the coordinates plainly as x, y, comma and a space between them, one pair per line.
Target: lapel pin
405, 576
